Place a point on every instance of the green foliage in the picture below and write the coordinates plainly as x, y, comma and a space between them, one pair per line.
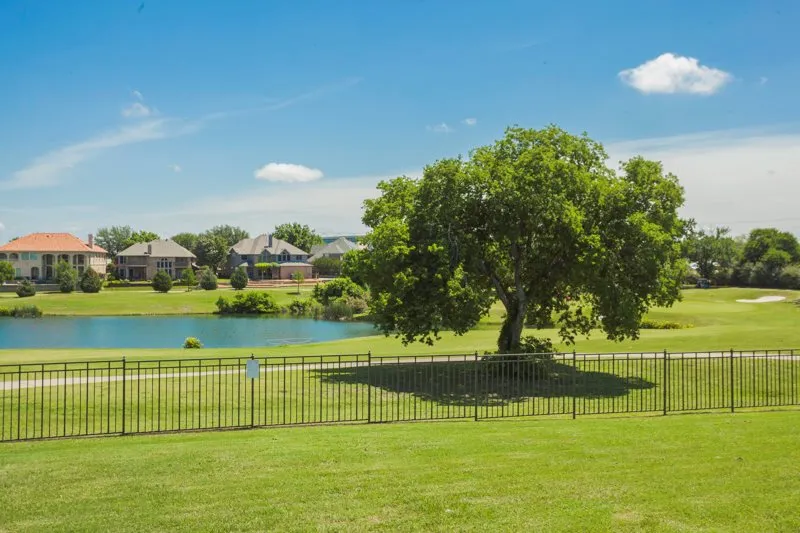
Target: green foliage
208, 280
239, 278
711, 250
6, 271
328, 266
764, 244
211, 251
187, 240
21, 311
327, 292
790, 277
691, 276
26, 289
354, 264
91, 282
141, 236
306, 307
662, 324
338, 310
66, 277
533, 360
188, 278
300, 235
535, 220
229, 234
192, 343
162, 281
248, 303
111, 272
114, 239
298, 277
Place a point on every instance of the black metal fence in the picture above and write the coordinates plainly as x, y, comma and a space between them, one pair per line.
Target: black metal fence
48, 400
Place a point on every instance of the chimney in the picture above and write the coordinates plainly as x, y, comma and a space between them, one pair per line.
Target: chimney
149, 249
91, 241
269, 244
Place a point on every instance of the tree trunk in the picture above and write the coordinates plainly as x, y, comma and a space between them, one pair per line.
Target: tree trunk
511, 330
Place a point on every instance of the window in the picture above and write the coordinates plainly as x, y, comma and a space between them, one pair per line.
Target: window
244, 258
285, 256
121, 260
26, 256
13, 257
3, 257
165, 265
34, 257
17, 271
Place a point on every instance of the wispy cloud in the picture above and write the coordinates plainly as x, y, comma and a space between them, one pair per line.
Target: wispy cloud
46, 170
470, 121
440, 128
670, 74
2, 226
287, 173
136, 110
175, 168
136, 94
763, 80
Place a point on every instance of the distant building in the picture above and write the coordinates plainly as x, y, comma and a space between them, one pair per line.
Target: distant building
335, 249
141, 261
35, 256
351, 238
284, 258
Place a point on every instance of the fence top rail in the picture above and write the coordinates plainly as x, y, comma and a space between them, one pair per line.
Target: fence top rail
117, 364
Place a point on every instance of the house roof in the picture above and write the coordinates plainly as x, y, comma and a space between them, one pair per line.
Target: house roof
158, 248
340, 246
272, 245
50, 242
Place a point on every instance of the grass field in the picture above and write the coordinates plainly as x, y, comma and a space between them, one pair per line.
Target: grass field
688, 473
719, 323
137, 301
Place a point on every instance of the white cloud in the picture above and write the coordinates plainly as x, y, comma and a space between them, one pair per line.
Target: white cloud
470, 121
670, 74
742, 179
2, 226
46, 170
440, 128
763, 80
136, 110
175, 168
287, 173
136, 94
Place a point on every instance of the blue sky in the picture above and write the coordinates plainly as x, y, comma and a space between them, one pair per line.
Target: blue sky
177, 116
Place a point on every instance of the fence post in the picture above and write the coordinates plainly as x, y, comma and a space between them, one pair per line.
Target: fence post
574, 388
123, 394
665, 372
733, 407
475, 384
369, 387
252, 397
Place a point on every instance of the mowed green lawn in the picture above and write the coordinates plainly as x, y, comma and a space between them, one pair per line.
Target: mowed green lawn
682, 473
138, 301
719, 323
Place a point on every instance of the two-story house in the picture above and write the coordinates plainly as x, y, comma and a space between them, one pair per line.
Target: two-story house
285, 258
35, 256
141, 261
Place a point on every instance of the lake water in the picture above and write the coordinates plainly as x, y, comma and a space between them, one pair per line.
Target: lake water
171, 331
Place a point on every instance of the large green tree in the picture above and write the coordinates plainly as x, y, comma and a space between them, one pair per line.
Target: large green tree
187, 240
536, 221
141, 236
300, 235
230, 234
768, 243
711, 250
211, 251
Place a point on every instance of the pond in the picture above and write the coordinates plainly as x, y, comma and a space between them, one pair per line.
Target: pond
171, 331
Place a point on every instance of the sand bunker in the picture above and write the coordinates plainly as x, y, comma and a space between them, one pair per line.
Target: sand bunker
763, 300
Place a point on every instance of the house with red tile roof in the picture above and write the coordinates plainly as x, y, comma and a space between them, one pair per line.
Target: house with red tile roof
35, 256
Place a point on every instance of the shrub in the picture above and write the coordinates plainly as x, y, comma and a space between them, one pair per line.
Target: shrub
239, 279
535, 361
26, 289
338, 310
162, 282
187, 278
764, 275
790, 277
208, 280
6, 271
91, 281
357, 304
192, 343
690, 277
66, 277
328, 266
248, 303
662, 324
325, 293
22, 311
307, 307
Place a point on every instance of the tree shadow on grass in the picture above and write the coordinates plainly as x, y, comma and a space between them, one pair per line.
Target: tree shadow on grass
456, 383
